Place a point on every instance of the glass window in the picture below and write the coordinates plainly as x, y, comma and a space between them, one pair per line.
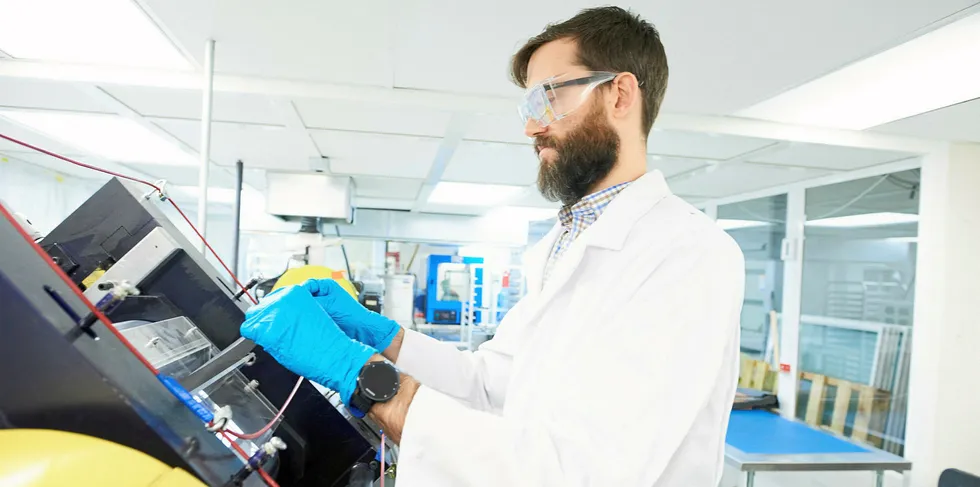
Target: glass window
759, 227
858, 293
454, 281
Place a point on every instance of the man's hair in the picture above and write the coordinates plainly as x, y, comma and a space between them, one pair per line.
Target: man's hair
609, 39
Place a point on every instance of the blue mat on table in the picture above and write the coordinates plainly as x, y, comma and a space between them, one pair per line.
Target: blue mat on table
767, 433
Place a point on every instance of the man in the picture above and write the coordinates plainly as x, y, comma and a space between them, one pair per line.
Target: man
619, 366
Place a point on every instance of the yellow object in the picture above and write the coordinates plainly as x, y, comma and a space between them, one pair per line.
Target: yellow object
48, 458
94, 276
299, 275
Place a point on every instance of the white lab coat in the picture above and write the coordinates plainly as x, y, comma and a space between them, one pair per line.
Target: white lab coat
620, 371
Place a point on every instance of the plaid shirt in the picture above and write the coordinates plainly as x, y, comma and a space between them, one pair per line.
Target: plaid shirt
578, 217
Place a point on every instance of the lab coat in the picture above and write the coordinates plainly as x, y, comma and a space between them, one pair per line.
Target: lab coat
619, 371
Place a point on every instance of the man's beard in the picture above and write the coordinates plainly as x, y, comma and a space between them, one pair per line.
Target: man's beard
583, 158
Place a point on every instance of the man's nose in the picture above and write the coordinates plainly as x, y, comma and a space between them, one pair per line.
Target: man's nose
534, 129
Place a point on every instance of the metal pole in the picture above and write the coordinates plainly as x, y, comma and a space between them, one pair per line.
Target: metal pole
237, 216
204, 175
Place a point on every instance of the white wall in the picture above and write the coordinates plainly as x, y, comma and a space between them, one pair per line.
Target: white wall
46, 197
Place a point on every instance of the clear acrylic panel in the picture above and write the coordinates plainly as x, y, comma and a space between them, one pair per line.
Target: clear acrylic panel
176, 347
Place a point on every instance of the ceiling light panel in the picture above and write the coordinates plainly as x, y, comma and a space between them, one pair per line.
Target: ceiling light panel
102, 32
932, 71
108, 136
471, 194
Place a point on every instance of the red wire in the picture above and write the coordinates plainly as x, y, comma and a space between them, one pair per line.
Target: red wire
141, 181
215, 254
252, 436
71, 285
82, 164
268, 480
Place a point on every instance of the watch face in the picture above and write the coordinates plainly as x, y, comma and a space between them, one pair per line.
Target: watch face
378, 381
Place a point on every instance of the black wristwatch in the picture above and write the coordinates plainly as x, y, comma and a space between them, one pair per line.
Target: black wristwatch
377, 382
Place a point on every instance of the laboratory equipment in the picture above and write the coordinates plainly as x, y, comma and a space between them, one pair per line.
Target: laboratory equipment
399, 298
448, 284
64, 369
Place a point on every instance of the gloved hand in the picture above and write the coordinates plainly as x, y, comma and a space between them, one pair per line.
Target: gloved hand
294, 329
358, 322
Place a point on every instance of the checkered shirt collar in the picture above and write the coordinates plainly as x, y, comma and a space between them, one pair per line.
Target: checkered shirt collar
589, 207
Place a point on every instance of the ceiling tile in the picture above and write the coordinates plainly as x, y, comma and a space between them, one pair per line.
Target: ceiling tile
735, 178
389, 188
258, 146
492, 163
497, 128
48, 95
829, 156
723, 55
376, 154
701, 145
169, 103
372, 117
347, 42
958, 122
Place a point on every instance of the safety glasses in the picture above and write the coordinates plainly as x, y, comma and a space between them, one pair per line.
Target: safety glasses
554, 98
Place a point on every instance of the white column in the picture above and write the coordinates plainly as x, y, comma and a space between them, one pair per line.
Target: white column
711, 209
789, 329
943, 429
204, 174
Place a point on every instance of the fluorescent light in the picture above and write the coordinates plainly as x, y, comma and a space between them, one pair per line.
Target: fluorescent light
728, 224
111, 137
865, 220
104, 32
472, 194
933, 71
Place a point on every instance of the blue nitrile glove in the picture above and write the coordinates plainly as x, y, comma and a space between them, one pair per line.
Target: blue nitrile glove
358, 322
294, 329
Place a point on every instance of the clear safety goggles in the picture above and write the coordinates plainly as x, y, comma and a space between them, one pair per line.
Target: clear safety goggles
554, 98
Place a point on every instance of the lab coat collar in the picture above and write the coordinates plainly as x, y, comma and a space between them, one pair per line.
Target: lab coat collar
612, 228
609, 231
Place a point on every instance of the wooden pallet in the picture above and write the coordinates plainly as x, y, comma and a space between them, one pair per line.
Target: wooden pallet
871, 410
756, 374
869, 416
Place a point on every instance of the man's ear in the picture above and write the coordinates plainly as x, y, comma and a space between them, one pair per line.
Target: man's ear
626, 90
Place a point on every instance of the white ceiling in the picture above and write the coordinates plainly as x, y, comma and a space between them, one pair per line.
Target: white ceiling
958, 122
723, 55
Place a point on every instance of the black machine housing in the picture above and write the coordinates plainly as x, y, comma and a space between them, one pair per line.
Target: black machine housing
69, 381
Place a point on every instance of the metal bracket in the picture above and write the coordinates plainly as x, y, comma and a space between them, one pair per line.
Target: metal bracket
232, 357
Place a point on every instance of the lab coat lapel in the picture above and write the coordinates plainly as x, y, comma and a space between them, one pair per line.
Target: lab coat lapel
536, 259
609, 232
